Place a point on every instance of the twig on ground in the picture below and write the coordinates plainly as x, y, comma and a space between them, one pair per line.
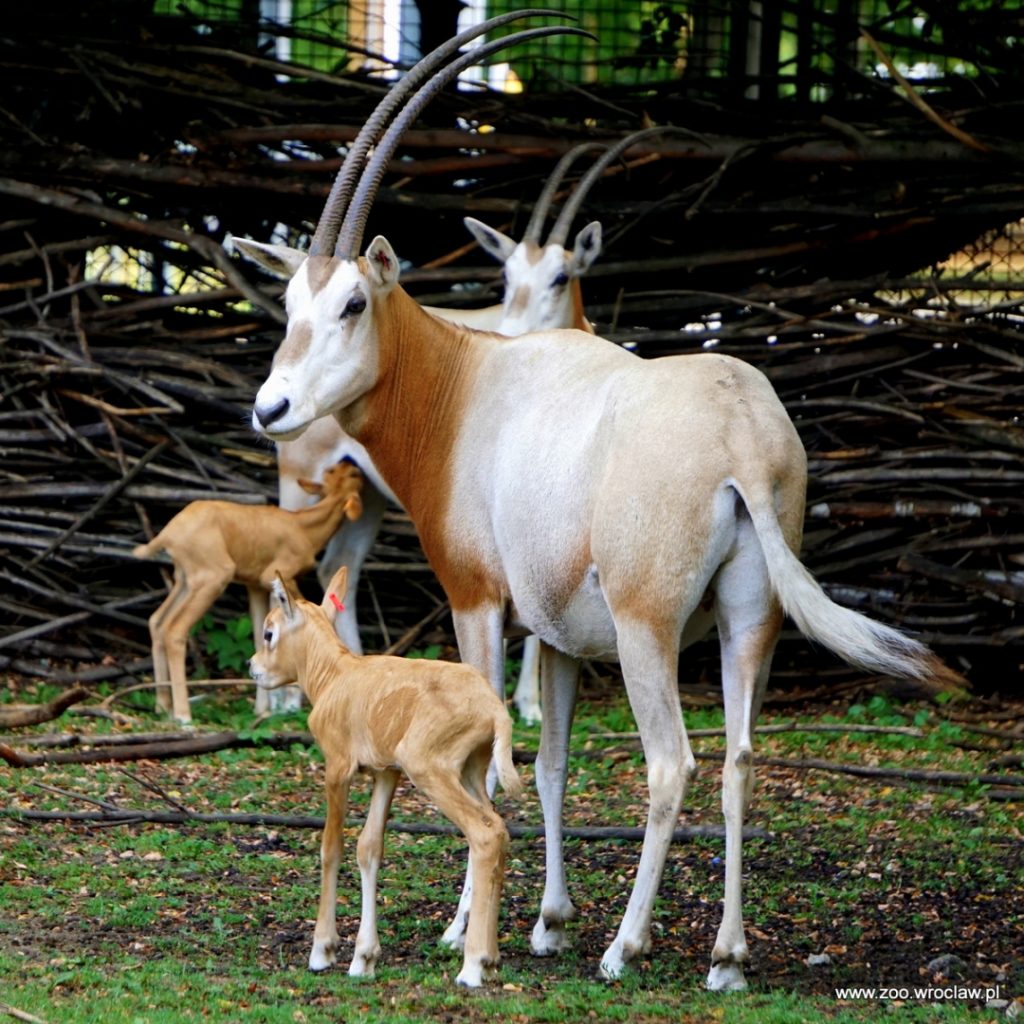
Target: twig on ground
33, 714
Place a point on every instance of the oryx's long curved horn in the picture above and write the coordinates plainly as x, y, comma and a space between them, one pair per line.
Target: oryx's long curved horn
560, 232
551, 186
341, 191
351, 234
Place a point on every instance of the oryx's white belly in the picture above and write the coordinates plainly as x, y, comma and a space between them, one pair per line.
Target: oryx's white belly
581, 626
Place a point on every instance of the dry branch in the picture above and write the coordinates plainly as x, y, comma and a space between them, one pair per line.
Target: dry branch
132, 816
785, 240
13, 716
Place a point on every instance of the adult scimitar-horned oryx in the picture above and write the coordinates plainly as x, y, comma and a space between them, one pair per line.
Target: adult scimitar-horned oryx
617, 507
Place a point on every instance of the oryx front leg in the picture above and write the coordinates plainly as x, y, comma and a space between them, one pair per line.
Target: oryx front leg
649, 667
325, 936
479, 635
559, 677
369, 852
748, 627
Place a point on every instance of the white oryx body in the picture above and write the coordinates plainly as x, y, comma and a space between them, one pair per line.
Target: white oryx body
542, 290
619, 506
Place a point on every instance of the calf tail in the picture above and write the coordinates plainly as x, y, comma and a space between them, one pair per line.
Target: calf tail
855, 638
154, 547
502, 752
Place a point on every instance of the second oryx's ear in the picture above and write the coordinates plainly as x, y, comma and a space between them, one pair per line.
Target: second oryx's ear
491, 240
382, 263
281, 260
586, 248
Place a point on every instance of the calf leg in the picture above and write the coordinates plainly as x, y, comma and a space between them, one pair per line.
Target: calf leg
195, 600
161, 668
488, 845
369, 852
560, 676
479, 634
325, 935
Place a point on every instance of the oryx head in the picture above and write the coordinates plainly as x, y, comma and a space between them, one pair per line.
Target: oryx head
542, 277
330, 354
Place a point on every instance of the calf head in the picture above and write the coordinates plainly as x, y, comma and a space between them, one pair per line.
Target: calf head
294, 629
345, 480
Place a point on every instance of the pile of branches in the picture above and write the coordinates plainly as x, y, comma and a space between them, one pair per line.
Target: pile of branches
780, 241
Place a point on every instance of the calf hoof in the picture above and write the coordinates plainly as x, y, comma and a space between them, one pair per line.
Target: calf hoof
474, 975
726, 977
322, 956
471, 976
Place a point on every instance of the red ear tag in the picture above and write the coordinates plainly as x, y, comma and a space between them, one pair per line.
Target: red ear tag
337, 604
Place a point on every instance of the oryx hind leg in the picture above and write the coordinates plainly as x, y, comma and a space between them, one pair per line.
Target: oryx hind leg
559, 679
749, 619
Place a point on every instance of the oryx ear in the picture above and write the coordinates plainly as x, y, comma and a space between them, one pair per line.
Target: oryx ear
491, 240
281, 598
382, 263
281, 260
586, 248
334, 595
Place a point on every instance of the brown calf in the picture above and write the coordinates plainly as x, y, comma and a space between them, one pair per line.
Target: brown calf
437, 721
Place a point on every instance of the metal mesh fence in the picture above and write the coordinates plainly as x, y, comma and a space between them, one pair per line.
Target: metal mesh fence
767, 51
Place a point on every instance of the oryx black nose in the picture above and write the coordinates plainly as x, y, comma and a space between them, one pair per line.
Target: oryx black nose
268, 416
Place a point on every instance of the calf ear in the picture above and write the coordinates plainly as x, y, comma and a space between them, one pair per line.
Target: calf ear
334, 595
281, 598
354, 507
310, 486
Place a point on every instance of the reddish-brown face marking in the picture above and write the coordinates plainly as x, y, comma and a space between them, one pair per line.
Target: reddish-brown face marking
299, 339
319, 271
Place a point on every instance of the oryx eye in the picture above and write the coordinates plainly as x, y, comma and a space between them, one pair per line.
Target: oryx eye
355, 306
560, 280
268, 635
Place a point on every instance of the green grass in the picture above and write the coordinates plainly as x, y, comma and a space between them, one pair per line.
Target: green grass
155, 923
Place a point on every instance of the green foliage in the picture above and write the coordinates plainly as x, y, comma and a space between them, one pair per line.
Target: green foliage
230, 643
431, 652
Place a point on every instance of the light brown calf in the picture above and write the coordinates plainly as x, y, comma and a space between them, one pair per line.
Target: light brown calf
214, 543
437, 721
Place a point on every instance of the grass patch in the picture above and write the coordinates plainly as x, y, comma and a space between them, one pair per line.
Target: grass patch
151, 923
